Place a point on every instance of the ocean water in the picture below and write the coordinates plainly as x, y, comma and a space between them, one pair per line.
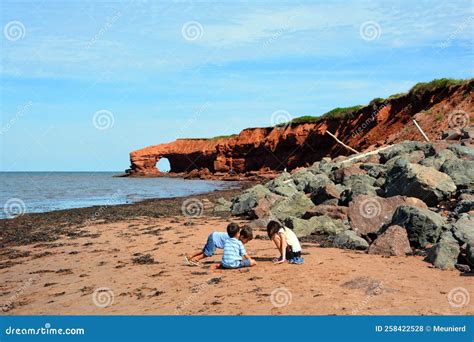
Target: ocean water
35, 192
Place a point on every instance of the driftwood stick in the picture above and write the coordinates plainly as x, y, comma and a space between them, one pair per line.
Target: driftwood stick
365, 154
340, 142
420, 130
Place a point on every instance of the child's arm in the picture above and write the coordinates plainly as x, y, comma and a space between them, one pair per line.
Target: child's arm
283, 245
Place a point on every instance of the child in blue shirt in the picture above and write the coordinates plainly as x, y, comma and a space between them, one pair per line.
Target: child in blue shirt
217, 240
235, 255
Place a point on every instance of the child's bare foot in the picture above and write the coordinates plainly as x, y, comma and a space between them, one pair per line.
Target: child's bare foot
214, 266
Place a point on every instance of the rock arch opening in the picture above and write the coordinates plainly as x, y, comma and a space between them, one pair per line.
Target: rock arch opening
163, 165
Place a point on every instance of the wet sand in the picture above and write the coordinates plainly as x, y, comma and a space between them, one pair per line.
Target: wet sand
133, 265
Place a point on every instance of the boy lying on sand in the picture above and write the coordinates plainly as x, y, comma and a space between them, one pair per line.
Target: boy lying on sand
218, 240
235, 255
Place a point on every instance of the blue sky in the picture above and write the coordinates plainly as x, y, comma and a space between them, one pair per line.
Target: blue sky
83, 83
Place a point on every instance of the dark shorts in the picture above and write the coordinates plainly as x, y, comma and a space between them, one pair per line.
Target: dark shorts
210, 248
243, 263
291, 255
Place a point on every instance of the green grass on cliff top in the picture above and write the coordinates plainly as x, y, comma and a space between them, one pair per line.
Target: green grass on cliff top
349, 112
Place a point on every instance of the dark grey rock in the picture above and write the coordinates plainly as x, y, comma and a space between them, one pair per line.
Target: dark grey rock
222, 205
464, 229
350, 240
444, 254
460, 171
423, 226
419, 181
294, 206
244, 203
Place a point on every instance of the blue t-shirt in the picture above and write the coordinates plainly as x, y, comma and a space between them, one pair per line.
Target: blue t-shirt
233, 252
219, 239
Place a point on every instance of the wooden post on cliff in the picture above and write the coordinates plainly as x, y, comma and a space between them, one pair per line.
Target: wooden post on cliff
420, 130
340, 142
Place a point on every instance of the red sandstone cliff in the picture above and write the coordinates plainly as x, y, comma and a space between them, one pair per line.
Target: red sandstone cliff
301, 144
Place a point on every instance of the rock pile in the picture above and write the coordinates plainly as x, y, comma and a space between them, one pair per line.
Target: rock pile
413, 197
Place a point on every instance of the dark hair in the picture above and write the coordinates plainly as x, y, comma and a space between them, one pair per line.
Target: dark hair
246, 233
233, 229
272, 228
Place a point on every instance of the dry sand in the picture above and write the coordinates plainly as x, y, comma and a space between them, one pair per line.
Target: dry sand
94, 273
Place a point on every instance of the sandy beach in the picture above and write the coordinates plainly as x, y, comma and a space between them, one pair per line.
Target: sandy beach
63, 263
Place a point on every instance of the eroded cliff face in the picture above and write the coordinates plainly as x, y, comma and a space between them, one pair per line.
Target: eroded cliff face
296, 145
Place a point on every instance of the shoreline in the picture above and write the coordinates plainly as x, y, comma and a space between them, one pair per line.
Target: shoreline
48, 226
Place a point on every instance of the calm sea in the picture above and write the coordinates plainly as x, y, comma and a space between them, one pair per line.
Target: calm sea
36, 192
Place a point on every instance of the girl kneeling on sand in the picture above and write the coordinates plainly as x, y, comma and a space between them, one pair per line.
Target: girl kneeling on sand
286, 242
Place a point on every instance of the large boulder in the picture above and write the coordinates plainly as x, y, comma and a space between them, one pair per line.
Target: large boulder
316, 225
423, 226
282, 180
418, 181
350, 240
463, 152
333, 211
407, 148
328, 226
328, 192
222, 205
248, 199
444, 254
438, 159
394, 241
263, 207
308, 182
300, 227
368, 214
464, 229
460, 171
295, 206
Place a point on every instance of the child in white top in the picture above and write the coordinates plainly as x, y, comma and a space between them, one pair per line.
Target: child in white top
286, 242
